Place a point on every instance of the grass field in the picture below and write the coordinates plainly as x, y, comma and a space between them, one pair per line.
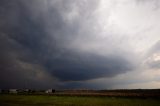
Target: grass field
44, 100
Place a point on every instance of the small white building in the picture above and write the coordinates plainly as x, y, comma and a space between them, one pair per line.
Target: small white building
50, 91
26, 90
13, 91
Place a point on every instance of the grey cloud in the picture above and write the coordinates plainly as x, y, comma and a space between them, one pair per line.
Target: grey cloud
155, 48
154, 65
36, 38
73, 67
153, 56
155, 3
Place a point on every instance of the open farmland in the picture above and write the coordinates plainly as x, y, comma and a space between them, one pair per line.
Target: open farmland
132, 97
132, 93
52, 100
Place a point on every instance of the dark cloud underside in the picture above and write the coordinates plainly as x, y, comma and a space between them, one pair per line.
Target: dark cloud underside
36, 38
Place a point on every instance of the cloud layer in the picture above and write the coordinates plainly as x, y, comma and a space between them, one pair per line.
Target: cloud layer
73, 43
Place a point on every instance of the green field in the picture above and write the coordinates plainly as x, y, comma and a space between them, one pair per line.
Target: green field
44, 100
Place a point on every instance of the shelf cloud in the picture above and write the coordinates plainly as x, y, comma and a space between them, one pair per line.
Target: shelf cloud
69, 44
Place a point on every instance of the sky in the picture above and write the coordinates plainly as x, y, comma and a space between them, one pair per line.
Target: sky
80, 44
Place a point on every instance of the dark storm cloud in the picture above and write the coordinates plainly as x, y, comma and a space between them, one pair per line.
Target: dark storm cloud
35, 39
88, 66
23, 43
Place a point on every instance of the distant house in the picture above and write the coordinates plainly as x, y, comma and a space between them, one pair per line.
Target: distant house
13, 91
22, 90
50, 91
26, 90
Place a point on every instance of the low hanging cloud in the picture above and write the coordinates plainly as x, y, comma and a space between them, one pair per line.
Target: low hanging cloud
61, 42
88, 66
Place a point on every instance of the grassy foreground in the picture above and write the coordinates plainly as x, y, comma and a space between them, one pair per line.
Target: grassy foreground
44, 100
